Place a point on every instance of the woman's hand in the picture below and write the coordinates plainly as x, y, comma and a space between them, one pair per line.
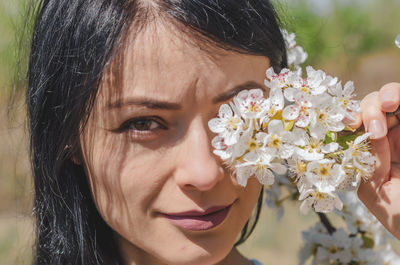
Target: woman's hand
381, 194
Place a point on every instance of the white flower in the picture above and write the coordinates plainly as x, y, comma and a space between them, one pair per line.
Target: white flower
275, 102
221, 148
284, 79
300, 111
351, 180
311, 149
295, 54
311, 237
335, 247
358, 218
297, 167
262, 169
345, 98
251, 104
228, 125
318, 81
279, 139
322, 202
243, 173
367, 257
358, 157
251, 147
326, 117
325, 175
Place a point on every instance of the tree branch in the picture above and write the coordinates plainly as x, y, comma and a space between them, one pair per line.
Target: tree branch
325, 221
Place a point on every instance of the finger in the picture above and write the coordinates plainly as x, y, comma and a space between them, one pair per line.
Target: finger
356, 123
373, 118
392, 121
381, 150
368, 191
389, 96
394, 143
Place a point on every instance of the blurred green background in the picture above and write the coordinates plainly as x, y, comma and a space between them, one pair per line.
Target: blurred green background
353, 40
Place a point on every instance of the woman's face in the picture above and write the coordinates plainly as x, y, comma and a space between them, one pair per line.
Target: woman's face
146, 150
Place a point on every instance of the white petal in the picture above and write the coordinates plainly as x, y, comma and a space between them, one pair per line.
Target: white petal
306, 205
318, 131
216, 125
278, 168
348, 89
303, 121
275, 127
265, 177
324, 205
361, 138
251, 156
231, 138
276, 97
312, 165
367, 158
331, 81
336, 90
291, 112
256, 94
223, 154
299, 137
218, 143
290, 93
306, 155
329, 148
243, 173
260, 137
338, 204
305, 194
286, 151
336, 126
270, 73
318, 90
225, 111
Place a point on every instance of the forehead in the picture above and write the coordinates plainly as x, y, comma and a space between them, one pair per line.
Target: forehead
161, 63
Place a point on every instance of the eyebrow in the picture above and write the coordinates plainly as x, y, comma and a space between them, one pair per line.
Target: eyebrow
155, 104
145, 102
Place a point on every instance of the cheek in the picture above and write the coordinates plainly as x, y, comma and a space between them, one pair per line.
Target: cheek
248, 198
124, 180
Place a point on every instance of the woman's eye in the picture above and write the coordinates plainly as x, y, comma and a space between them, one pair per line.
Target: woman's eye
144, 125
145, 128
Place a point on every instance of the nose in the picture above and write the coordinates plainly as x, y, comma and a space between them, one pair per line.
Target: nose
197, 166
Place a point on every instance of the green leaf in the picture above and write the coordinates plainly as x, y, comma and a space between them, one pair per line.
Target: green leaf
368, 242
330, 137
344, 139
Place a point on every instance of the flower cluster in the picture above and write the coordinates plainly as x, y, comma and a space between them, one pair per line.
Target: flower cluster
300, 126
299, 144
363, 241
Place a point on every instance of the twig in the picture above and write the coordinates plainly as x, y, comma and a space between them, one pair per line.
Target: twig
325, 221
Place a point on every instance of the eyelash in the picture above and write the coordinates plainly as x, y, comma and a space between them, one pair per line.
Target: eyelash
130, 127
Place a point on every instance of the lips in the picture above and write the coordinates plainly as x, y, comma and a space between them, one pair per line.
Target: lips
199, 220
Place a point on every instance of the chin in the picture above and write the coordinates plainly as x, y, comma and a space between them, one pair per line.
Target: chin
192, 254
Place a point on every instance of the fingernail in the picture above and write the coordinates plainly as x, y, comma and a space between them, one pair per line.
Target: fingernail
387, 100
375, 127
